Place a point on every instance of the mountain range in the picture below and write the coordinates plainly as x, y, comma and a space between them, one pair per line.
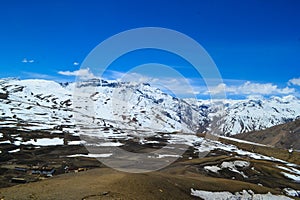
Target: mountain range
47, 105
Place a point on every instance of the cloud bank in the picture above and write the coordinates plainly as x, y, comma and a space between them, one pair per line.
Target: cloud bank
250, 88
294, 81
81, 73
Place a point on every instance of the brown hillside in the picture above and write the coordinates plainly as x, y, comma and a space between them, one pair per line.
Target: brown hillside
281, 136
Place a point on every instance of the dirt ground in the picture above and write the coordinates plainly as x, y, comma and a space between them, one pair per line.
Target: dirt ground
173, 182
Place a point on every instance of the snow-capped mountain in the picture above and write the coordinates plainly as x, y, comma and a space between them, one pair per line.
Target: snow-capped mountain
257, 114
42, 104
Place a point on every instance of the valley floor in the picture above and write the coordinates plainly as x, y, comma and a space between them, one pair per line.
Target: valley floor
174, 182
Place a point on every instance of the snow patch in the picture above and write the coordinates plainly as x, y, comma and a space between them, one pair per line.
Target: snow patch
291, 176
44, 142
214, 169
111, 144
207, 195
232, 166
168, 156
5, 142
291, 192
90, 155
14, 151
291, 169
76, 142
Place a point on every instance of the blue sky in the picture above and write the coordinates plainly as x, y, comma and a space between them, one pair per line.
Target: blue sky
254, 43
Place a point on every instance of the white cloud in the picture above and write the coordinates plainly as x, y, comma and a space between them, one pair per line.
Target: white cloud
294, 81
76, 63
178, 86
81, 73
25, 60
249, 88
218, 89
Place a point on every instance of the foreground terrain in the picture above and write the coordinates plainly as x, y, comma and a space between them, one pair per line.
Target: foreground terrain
174, 182
207, 165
